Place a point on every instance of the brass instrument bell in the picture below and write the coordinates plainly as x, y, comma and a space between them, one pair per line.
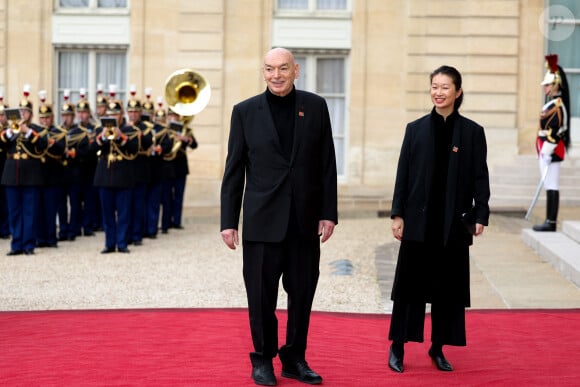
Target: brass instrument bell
14, 119
187, 92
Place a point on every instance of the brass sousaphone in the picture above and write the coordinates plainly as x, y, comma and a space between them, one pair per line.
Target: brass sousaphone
187, 93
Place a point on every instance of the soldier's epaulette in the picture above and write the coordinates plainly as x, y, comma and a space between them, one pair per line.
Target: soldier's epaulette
42, 132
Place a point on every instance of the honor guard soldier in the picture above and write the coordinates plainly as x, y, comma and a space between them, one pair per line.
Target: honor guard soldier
553, 138
101, 104
101, 111
114, 176
161, 172
83, 162
67, 115
180, 167
147, 106
22, 175
52, 197
4, 226
142, 168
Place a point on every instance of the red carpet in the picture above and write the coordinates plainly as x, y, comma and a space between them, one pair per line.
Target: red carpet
209, 347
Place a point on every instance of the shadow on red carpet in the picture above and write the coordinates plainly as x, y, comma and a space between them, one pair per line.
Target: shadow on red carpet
209, 347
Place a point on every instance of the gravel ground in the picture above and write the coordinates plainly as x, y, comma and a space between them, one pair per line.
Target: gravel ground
189, 268
192, 268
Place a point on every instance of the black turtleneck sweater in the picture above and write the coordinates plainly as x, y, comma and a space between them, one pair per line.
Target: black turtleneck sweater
442, 135
283, 111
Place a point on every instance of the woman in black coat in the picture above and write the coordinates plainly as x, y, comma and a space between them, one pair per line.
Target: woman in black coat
440, 201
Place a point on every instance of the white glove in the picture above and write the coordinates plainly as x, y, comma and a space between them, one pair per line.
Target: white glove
547, 149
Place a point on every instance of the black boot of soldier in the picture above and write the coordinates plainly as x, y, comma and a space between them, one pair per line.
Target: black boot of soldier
552, 204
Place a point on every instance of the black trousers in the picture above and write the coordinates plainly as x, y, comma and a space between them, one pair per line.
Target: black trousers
447, 323
296, 261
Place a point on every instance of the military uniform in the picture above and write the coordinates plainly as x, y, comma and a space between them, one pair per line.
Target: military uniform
101, 109
114, 177
4, 225
142, 170
82, 163
22, 177
180, 171
161, 173
52, 197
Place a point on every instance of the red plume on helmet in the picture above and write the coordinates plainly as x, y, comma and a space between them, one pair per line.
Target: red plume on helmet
552, 62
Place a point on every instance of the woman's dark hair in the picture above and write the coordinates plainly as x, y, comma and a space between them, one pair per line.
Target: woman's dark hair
565, 91
455, 76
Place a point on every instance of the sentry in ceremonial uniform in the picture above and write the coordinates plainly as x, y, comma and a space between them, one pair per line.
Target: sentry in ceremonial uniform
114, 177
553, 137
22, 175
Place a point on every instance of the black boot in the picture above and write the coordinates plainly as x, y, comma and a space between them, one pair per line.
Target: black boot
396, 354
552, 204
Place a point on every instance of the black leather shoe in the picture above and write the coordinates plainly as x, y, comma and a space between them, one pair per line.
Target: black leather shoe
29, 252
137, 243
14, 252
164, 231
123, 250
395, 362
300, 371
108, 250
263, 375
440, 362
177, 226
151, 236
89, 233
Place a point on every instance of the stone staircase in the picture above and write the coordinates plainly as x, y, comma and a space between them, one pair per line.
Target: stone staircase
513, 185
512, 189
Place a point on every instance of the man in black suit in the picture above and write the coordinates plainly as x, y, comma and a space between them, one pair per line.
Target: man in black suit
281, 147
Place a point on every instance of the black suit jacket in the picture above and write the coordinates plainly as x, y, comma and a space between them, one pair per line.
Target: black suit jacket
467, 181
255, 161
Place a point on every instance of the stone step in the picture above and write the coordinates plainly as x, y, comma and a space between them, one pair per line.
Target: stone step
514, 184
572, 229
561, 249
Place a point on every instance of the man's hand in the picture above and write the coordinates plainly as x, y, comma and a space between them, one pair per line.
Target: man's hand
397, 227
325, 228
230, 238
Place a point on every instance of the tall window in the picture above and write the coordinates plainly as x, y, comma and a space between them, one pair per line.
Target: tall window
311, 5
92, 3
326, 76
86, 68
563, 38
